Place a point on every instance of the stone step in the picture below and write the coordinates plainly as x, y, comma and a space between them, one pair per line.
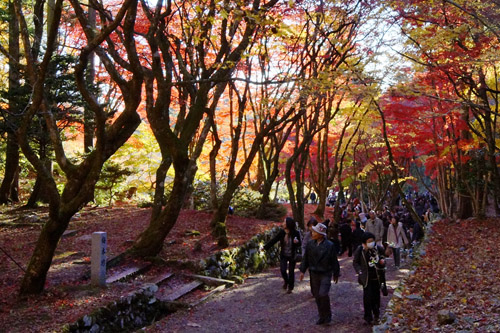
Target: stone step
128, 273
183, 290
69, 233
211, 281
161, 278
210, 294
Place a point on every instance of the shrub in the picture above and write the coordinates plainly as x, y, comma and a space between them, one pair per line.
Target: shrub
246, 202
201, 195
111, 183
272, 211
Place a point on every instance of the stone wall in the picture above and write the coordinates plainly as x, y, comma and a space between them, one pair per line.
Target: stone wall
246, 259
130, 312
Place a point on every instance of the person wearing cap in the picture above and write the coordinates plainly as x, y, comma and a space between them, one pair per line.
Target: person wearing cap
289, 238
321, 260
369, 262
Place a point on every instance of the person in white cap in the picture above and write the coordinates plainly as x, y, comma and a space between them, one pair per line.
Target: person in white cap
320, 258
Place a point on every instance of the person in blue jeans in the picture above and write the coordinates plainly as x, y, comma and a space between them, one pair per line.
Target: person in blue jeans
321, 260
289, 238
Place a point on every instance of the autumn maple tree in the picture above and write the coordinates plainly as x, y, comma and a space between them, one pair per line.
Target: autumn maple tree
456, 51
198, 47
81, 176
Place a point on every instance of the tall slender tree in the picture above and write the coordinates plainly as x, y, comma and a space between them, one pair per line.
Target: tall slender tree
10, 183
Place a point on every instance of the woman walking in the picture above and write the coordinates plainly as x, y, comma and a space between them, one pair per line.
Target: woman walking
289, 238
396, 238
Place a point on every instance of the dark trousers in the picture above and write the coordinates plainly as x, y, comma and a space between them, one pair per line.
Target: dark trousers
371, 300
346, 246
320, 287
288, 275
397, 256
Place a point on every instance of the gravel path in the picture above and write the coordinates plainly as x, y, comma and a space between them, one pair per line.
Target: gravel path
261, 305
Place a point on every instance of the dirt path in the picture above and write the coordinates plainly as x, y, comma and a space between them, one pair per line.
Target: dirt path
260, 305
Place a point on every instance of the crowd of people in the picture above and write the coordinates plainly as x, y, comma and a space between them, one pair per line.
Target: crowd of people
368, 236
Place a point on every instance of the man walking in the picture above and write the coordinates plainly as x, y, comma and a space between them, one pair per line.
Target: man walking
375, 226
320, 258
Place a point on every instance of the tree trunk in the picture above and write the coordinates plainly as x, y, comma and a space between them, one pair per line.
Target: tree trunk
218, 223
9, 187
320, 208
150, 241
214, 198
161, 174
88, 115
297, 199
36, 274
40, 191
465, 207
111, 135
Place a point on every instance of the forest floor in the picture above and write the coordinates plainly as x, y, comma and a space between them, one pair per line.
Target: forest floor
459, 272
456, 279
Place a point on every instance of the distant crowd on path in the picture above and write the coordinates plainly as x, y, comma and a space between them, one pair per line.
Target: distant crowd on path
369, 237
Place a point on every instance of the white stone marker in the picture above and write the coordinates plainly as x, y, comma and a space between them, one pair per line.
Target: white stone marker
98, 259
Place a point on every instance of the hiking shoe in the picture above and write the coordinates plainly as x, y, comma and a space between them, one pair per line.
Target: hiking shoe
324, 321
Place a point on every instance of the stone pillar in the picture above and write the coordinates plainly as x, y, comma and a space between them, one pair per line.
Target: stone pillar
98, 259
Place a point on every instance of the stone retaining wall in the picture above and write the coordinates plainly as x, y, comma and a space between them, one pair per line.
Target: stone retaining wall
141, 308
132, 311
246, 259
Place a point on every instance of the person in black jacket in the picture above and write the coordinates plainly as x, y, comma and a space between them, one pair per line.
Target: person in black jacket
289, 238
321, 260
418, 233
346, 236
357, 235
369, 262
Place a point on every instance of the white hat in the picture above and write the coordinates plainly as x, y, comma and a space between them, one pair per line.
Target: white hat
320, 228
